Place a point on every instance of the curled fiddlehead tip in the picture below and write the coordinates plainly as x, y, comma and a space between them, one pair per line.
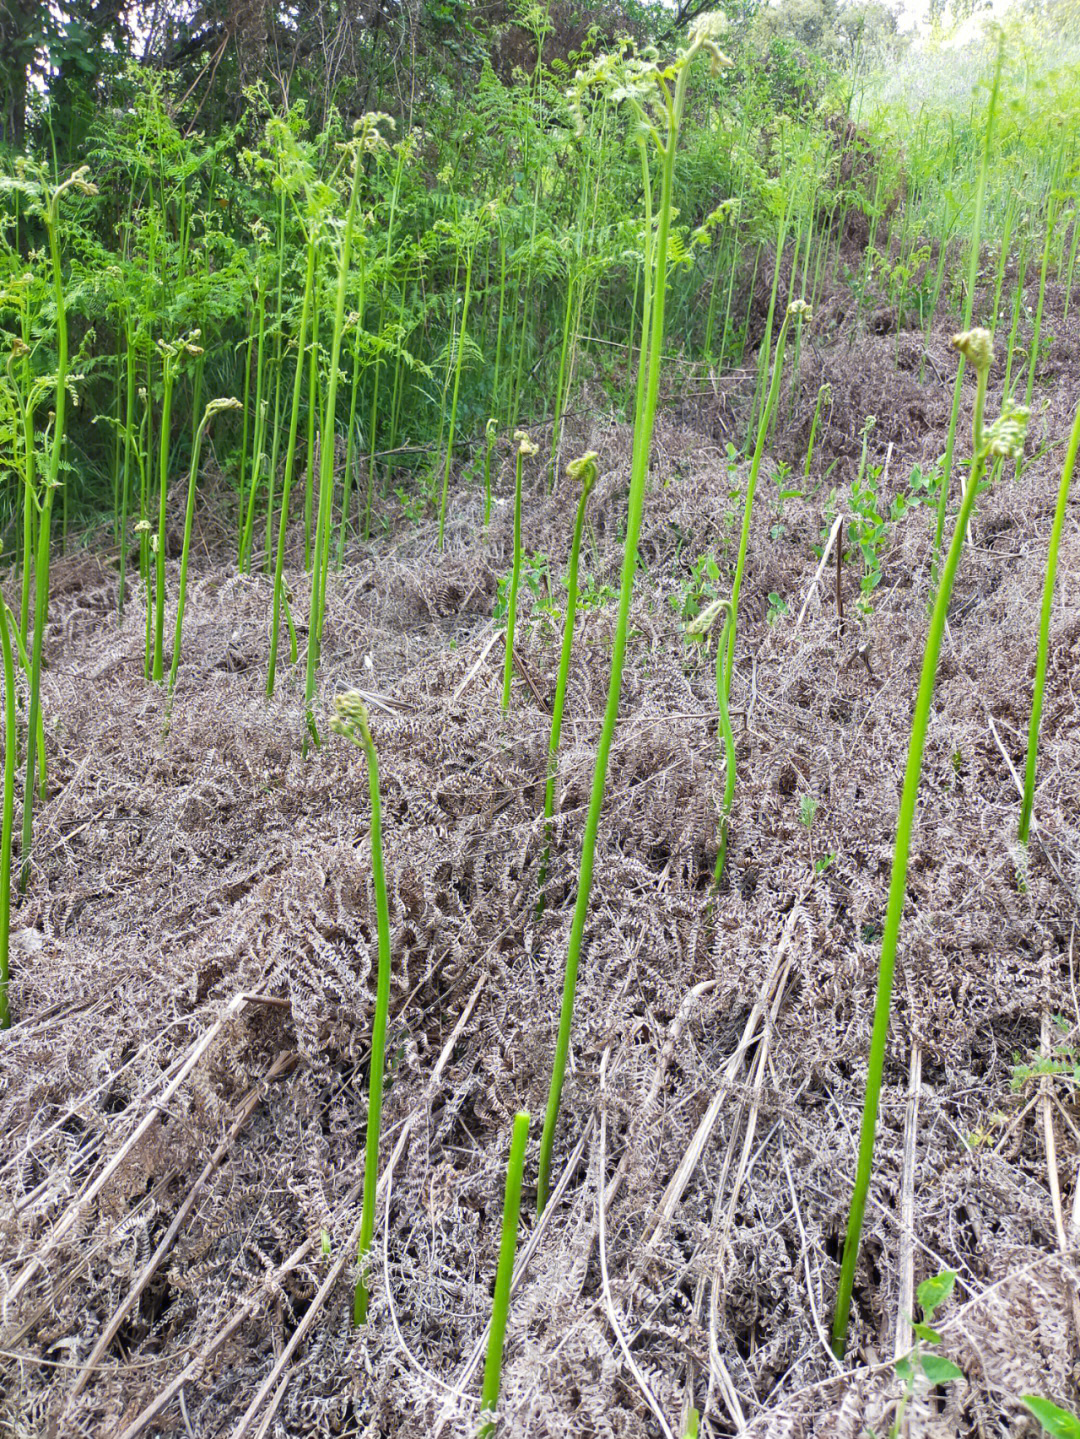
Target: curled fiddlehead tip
218, 407
526, 447
350, 715
701, 624
585, 469
705, 32
1005, 437
800, 310
976, 346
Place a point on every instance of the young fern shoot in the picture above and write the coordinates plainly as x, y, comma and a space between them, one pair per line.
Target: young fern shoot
491, 431
1043, 650
799, 311
698, 629
1004, 438
585, 471
351, 720
525, 449
171, 355
658, 110
367, 140
500, 1307
79, 184
215, 407
7, 623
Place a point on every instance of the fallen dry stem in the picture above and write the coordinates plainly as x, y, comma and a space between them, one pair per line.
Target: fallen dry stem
246, 1109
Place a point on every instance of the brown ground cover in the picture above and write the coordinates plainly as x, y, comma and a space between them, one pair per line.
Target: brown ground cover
188, 860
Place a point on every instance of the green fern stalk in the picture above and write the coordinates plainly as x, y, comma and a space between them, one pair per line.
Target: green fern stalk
500, 1307
463, 334
799, 310
585, 471
491, 431
1042, 653
51, 216
367, 138
525, 447
657, 109
969, 299
1006, 436
351, 720
290, 457
215, 407
10, 746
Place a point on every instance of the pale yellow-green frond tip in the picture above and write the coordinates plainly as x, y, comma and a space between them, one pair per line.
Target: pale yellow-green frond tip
976, 346
710, 26
800, 310
701, 624
526, 447
585, 469
705, 32
350, 714
218, 407
1005, 437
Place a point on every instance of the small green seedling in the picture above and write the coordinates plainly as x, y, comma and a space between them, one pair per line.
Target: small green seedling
778, 607
1063, 1063
918, 1368
595, 596
699, 591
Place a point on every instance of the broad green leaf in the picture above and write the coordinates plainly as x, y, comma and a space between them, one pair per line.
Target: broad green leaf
1058, 1422
934, 1292
939, 1370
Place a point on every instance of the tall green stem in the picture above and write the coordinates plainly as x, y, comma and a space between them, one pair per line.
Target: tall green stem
289, 461
9, 810
524, 447
585, 470
797, 308
728, 739
351, 720
976, 346
639, 468
969, 297
500, 1307
41, 567
326, 444
462, 336
215, 407
1042, 654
